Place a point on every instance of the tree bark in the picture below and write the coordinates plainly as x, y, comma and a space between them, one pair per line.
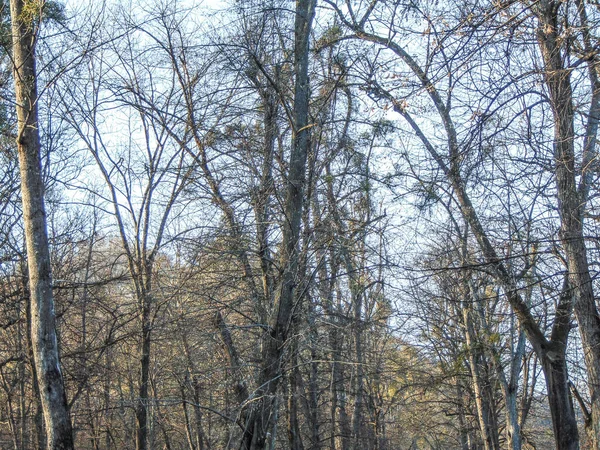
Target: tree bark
486, 415
43, 321
461, 412
263, 413
571, 200
294, 432
141, 411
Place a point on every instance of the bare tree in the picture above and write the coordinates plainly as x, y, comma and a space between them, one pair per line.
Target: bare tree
552, 351
259, 426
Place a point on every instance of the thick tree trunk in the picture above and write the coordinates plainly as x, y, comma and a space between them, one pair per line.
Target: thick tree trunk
561, 406
43, 322
571, 201
262, 417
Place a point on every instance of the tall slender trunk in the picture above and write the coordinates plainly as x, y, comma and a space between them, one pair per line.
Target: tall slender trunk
357, 295
337, 394
106, 394
571, 200
313, 382
43, 321
509, 392
188, 425
461, 412
486, 416
22, 371
192, 380
294, 434
357, 417
141, 412
340, 419
200, 436
263, 414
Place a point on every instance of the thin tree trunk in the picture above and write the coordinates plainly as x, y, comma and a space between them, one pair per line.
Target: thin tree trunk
462, 423
357, 418
340, 418
294, 435
200, 436
141, 412
186, 415
106, 398
43, 321
22, 370
340, 424
196, 390
483, 399
313, 382
161, 419
510, 391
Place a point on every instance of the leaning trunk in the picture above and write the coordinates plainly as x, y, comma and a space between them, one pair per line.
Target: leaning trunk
486, 416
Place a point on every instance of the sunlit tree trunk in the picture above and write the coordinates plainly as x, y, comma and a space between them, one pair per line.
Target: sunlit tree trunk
43, 321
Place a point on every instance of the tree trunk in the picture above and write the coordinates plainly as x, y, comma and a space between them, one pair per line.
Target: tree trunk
262, 416
510, 392
486, 416
141, 412
461, 412
186, 415
294, 434
43, 321
357, 417
313, 382
561, 406
571, 202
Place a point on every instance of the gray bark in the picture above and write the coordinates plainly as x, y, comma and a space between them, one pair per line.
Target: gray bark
262, 416
43, 322
486, 416
550, 352
571, 199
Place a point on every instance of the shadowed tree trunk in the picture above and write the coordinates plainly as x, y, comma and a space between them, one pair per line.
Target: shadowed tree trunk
260, 424
571, 198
